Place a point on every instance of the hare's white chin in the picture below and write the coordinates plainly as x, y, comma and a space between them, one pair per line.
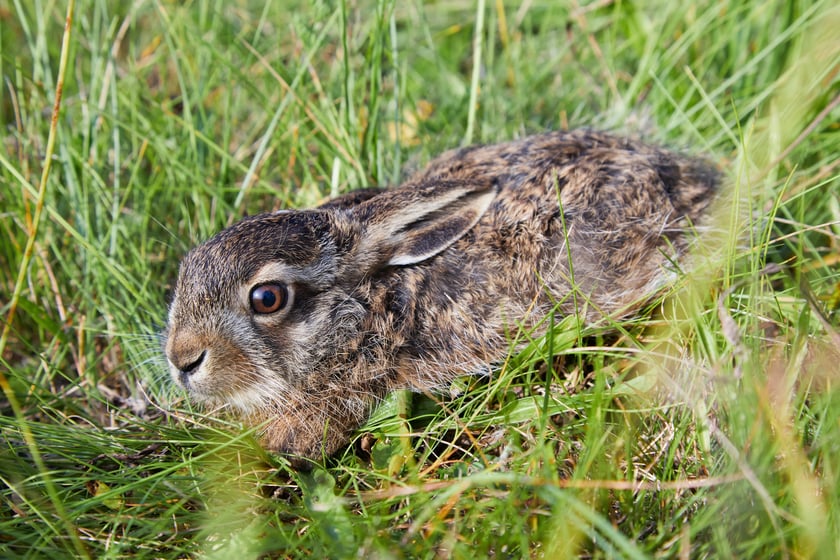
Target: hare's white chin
247, 401
267, 394
243, 402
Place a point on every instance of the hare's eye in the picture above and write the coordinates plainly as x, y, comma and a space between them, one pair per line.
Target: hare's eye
269, 298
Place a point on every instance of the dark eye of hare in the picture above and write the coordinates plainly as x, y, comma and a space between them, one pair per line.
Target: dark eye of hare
269, 298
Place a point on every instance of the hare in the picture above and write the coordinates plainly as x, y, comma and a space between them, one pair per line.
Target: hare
301, 320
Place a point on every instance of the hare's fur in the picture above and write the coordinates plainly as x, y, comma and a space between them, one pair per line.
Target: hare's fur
412, 286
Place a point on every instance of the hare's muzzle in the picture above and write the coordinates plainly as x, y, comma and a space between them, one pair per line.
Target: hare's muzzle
185, 357
186, 366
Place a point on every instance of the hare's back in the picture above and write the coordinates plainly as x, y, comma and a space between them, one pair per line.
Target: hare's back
621, 209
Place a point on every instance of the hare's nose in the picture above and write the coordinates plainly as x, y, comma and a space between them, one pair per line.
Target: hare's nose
187, 364
193, 365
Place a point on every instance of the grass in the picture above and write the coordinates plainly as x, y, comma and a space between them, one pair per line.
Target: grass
709, 427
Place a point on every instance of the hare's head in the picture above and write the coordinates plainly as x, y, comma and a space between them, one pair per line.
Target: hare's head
258, 307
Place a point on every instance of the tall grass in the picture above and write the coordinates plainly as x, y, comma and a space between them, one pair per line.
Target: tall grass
710, 427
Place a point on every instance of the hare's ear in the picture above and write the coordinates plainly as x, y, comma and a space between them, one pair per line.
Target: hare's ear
411, 224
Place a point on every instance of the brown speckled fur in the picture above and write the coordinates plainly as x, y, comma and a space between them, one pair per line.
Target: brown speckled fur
360, 326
